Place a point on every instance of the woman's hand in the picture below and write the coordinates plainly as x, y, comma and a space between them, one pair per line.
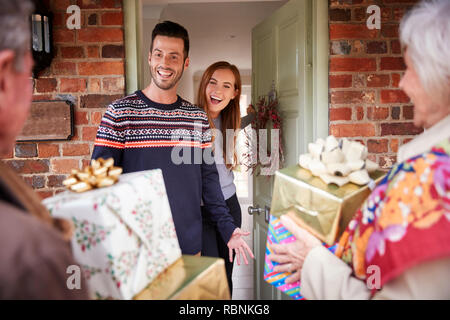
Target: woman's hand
238, 244
291, 256
250, 109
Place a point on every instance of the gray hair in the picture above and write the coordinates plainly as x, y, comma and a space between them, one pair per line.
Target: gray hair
425, 33
15, 28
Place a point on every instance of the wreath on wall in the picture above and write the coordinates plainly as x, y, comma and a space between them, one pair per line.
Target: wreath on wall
267, 114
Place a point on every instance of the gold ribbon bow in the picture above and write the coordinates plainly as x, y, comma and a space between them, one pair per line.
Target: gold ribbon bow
101, 173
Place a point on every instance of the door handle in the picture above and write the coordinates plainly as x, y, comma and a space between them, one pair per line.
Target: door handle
255, 210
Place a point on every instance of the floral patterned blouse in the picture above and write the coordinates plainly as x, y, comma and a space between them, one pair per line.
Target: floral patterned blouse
405, 220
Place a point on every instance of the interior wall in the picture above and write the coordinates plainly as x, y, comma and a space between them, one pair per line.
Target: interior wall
217, 31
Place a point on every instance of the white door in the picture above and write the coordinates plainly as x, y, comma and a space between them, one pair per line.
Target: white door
289, 49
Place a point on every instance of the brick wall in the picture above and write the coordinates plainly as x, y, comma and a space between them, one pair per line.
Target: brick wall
365, 69
88, 69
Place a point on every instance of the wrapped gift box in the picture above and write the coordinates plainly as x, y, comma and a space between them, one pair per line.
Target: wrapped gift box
323, 209
124, 235
190, 278
279, 234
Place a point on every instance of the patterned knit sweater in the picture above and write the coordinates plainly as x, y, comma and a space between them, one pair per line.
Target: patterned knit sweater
141, 135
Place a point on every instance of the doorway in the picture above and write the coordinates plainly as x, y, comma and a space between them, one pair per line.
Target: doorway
218, 30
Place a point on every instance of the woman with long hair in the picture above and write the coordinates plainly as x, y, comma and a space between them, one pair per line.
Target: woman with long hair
219, 94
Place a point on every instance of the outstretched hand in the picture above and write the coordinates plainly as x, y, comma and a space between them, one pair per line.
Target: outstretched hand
239, 246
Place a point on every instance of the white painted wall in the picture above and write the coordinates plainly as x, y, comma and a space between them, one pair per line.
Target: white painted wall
217, 31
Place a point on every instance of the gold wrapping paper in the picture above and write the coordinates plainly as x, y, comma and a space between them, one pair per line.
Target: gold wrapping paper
324, 210
189, 278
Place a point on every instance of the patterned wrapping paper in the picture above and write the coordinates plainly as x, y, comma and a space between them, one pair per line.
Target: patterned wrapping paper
124, 235
280, 235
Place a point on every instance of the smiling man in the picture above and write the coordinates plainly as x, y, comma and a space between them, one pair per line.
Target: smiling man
145, 130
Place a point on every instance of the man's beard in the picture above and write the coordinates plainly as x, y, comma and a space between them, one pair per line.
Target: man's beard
165, 85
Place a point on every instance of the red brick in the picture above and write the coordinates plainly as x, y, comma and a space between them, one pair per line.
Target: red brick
100, 35
64, 68
81, 118
113, 51
386, 14
35, 181
359, 113
392, 63
352, 97
377, 146
26, 150
58, 20
29, 166
63, 35
376, 47
59, 5
351, 31
79, 149
40, 97
340, 81
94, 85
408, 112
352, 64
394, 145
47, 150
395, 79
377, 113
389, 30
340, 114
72, 52
353, 130
46, 84
89, 133
99, 4
401, 129
96, 117
64, 165
340, 14
55, 181
378, 80
394, 96
93, 52
396, 47
113, 84
101, 68
97, 100
72, 85
112, 18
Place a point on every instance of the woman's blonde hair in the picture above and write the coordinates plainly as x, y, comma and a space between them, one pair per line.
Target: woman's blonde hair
425, 33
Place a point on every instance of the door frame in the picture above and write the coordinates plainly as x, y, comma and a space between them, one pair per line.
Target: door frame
320, 55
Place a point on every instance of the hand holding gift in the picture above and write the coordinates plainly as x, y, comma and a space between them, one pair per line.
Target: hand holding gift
239, 245
291, 256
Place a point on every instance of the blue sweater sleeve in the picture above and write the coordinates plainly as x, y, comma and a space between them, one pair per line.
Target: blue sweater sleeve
213, 199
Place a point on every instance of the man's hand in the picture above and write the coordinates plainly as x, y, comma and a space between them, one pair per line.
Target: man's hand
238, 244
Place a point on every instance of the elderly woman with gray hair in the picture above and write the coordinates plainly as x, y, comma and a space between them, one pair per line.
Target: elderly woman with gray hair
397, 245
